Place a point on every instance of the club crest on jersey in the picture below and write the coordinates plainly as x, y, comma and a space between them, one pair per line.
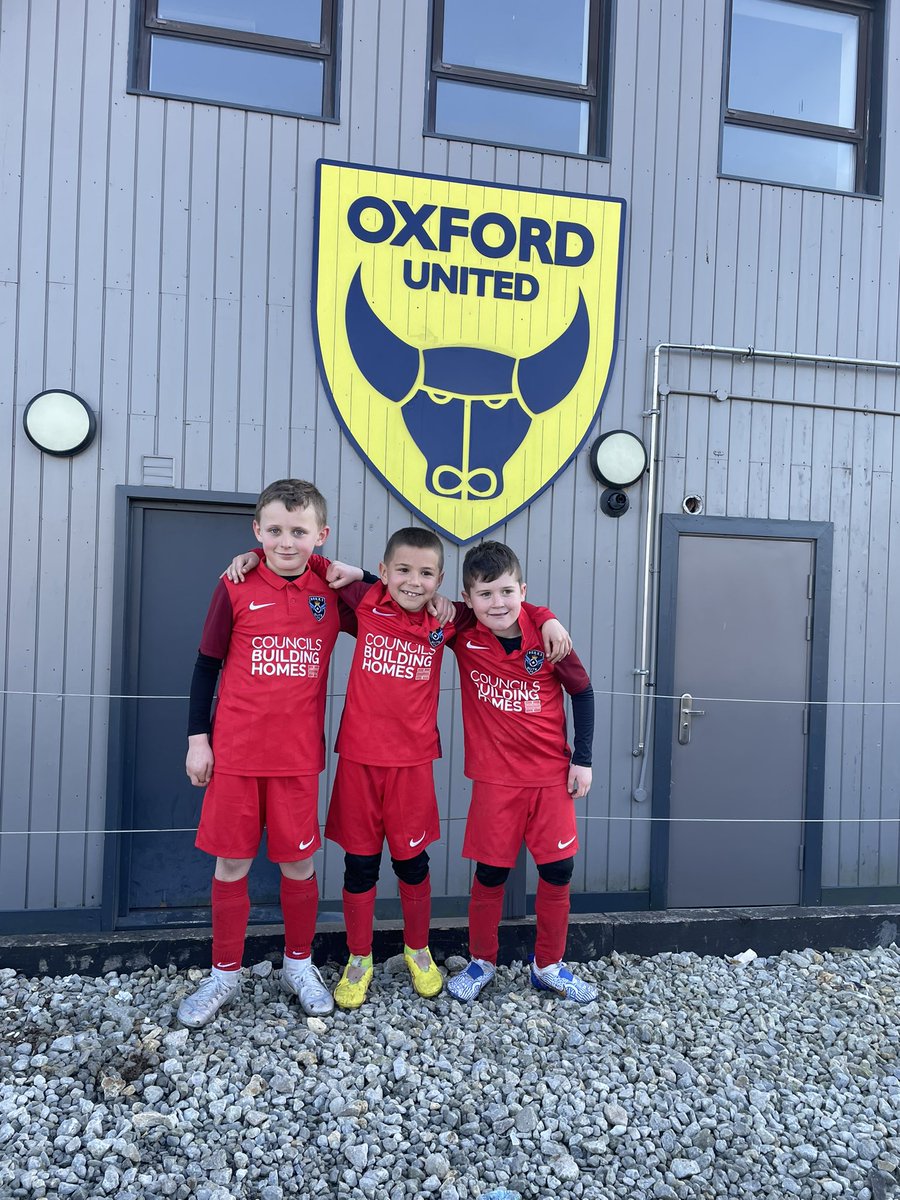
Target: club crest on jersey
465, 331
436, 636
534, 660
317, 606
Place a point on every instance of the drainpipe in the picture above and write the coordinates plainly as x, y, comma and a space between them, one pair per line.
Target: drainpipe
650, 574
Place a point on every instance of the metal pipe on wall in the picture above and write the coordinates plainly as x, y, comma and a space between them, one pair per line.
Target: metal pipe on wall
650, 574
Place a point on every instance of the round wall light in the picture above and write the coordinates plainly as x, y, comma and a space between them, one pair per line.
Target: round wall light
59, 423
618, 459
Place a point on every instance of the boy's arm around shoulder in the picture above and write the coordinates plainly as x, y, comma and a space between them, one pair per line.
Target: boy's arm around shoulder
557, 642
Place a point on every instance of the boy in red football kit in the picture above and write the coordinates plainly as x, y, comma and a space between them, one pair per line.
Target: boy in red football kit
388, 739
275, 638
514, 725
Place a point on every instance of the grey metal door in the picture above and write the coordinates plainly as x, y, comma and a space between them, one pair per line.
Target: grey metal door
175, 553
733, 744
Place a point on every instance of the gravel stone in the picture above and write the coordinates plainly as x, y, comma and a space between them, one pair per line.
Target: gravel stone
690, 1078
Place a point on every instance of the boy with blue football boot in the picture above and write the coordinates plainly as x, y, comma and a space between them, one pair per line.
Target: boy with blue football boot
514, 726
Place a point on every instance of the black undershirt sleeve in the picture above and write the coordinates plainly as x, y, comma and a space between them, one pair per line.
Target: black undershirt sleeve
583, 720
203, 689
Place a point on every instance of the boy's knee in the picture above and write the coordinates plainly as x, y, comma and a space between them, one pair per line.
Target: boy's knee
411, 870
230, 870
558, 873
489, 876
303, 868
361, 872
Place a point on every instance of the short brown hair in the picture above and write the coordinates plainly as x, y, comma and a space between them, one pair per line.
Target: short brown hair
294, 493
488, 561
418, 539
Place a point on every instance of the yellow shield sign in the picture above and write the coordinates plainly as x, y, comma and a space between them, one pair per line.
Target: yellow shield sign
465, 331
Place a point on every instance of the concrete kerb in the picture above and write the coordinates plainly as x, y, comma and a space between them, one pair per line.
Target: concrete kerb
704, 931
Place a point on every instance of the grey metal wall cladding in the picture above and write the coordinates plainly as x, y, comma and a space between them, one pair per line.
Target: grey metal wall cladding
155, 257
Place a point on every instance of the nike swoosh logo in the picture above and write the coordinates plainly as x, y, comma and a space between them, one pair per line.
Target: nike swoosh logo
562, 845
475, 646
225, 966
306, 845
379, 613
254, 606
417, 842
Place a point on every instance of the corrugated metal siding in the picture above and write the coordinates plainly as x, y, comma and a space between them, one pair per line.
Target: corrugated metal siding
155, 256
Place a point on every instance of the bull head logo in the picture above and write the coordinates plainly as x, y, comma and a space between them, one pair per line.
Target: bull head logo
467, 409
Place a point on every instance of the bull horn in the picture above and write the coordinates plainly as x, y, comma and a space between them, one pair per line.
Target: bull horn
389, 364
547, 377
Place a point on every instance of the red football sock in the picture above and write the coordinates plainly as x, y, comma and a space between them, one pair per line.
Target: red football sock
485, 910
230, 913
299, 907
551, 907
359, 917
415, 901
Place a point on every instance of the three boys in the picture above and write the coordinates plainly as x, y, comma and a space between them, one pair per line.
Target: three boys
384, 784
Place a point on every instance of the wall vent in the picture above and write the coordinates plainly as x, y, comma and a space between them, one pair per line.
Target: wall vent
157, 471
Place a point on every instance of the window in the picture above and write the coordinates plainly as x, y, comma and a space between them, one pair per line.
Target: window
521, 73
803, 93
273, 55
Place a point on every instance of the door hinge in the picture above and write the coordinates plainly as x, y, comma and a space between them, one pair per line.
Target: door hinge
805, 721
809, 627
810, 586
801, 857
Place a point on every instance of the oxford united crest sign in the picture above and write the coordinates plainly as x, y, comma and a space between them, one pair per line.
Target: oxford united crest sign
466, 333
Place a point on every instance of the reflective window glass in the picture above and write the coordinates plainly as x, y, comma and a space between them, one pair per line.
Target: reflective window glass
520, 37
794, 60
769, 154
493, 114
235, 75
297, 19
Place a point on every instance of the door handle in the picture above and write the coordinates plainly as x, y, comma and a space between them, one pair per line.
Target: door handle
685, 713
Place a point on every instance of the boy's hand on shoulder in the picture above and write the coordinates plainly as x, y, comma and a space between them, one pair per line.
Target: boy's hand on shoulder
442, 608
557, 643
199, 761
239, 566
339, 574
579, 781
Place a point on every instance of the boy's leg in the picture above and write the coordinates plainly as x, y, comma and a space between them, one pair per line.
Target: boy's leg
414, 884
485, 911
292, 826
230, 913
299, 906
360, 878
231, 824
548, 971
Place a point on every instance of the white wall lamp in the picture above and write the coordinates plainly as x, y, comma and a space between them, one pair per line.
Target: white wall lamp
59, 423
618, 459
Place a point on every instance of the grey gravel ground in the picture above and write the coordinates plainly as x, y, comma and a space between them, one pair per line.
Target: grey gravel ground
689, 1078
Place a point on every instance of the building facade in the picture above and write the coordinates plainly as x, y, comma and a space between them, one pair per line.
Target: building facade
158, 227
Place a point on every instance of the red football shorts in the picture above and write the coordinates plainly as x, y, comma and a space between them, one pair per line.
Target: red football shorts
501, 817
371, 804
236, 809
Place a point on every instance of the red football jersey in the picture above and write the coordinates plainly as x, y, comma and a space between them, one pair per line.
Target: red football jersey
276, 637
514, 719
390, 714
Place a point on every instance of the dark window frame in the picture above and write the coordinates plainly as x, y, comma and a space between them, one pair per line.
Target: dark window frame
865, 137
596, 91
147, 24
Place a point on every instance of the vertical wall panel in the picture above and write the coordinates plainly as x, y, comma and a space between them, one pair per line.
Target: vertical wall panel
157, 257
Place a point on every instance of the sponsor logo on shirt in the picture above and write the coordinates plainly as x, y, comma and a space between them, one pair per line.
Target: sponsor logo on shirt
534, 660
563, 845
296, 657
317, 606
396, 656
509, 695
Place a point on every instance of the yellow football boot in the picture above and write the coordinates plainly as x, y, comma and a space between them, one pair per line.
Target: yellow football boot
427, 980
353, 985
